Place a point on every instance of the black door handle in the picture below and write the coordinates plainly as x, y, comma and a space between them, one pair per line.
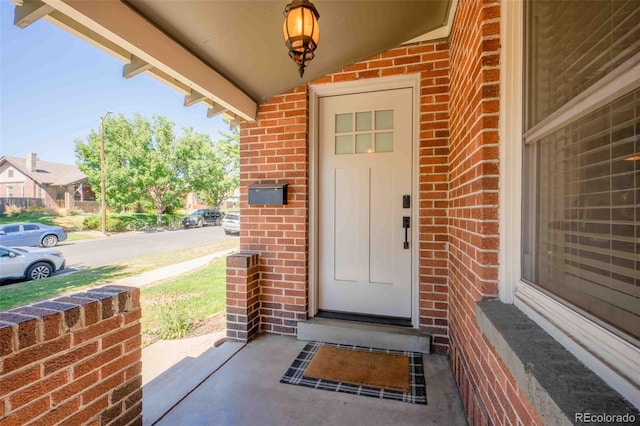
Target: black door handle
406, 224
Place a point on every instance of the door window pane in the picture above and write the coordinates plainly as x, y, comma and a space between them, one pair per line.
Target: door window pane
344, 144
363, 121
344, 123
384, 119
363, 143
384, 142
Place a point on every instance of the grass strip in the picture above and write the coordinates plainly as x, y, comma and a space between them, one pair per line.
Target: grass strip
23, 293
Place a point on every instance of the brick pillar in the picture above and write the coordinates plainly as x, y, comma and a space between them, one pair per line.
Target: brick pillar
243, 295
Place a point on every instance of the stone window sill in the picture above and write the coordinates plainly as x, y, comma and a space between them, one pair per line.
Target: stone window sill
556, 383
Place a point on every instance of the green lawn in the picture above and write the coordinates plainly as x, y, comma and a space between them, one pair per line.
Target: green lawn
200, 293
23, 293
46, 218
76, 222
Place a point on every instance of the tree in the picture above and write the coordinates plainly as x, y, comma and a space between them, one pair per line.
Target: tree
214, 171
147, 164
144, 163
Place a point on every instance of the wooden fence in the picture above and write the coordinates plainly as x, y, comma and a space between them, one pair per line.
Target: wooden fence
20, 202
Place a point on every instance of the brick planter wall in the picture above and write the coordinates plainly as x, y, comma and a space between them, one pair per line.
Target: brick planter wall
489, 392
73, 360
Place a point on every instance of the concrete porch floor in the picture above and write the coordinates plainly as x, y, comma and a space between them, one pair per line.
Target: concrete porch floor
246, 390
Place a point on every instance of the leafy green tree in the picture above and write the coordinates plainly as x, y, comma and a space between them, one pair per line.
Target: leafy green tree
145, 163
214, 168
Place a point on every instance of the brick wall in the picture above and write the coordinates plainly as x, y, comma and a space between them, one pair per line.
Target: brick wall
73, 360
275, 149
489, 392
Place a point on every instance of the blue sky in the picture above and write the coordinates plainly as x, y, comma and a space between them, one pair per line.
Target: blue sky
54, 88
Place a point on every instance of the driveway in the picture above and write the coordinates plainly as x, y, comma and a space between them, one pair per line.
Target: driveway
91, 253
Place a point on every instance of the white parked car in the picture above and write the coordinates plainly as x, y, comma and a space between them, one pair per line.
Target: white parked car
30, 263
231, 223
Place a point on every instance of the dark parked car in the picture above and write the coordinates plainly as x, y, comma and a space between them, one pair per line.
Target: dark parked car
202, 217
31, 234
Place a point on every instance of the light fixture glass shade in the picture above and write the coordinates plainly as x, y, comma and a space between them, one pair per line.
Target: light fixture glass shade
301, 31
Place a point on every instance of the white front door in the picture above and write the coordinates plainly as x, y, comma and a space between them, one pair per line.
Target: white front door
365, 169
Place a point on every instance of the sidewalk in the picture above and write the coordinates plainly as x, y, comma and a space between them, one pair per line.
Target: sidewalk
169, 271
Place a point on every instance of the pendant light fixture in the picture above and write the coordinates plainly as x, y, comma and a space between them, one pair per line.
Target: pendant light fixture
301, 31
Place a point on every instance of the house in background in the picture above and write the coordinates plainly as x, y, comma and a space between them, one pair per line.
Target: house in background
193, 202
53, 184
468, 168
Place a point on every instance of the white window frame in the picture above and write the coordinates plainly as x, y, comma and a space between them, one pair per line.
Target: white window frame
615, 360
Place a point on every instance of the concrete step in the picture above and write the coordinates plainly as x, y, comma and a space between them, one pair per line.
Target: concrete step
371, 335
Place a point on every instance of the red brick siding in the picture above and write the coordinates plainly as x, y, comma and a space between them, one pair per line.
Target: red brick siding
488, 391
72, 360
275, 148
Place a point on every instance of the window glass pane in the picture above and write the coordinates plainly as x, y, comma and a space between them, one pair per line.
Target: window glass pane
363, 121
585, 236
384, 119
363, 143
573, 44
344, 123
344, 144
384, 142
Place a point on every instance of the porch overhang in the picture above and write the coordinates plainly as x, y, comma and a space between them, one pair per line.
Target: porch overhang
230, 55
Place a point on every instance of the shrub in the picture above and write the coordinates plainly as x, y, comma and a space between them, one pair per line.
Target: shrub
92, 222
73, 213
12, 210
115, 224
174, 321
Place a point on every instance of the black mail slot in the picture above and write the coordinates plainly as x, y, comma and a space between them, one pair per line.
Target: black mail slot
268, 193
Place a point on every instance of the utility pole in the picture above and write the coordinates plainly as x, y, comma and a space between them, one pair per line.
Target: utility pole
103, 195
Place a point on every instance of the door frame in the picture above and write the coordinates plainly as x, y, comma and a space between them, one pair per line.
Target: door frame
316, 92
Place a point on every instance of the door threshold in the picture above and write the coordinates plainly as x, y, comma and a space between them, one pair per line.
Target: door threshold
375, 319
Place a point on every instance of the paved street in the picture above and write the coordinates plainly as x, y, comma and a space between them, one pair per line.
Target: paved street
103, 251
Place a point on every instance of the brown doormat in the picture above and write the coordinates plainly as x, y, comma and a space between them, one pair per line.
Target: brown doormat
378, 373
381, 370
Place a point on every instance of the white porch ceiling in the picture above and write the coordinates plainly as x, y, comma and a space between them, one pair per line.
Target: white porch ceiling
230, 55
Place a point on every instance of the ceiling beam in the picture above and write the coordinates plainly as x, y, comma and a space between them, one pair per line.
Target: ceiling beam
121, 25
193, 98
215, 110
135, 67
29, 12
